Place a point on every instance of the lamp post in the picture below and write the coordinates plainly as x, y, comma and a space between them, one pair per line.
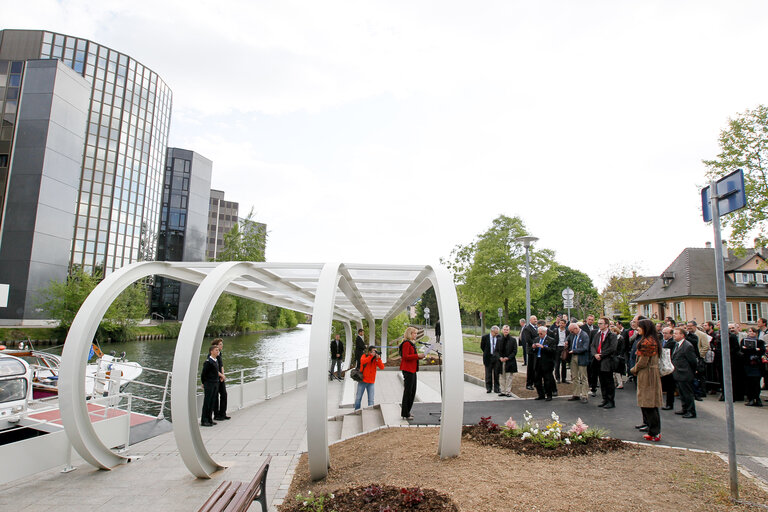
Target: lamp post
527, 241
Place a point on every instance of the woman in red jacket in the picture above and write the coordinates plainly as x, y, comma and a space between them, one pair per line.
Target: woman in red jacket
409, 365
369, 362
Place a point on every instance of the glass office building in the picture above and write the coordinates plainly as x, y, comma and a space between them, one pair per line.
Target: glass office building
183, 226
117, 210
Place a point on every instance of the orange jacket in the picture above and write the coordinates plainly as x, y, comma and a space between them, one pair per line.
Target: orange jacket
368, 369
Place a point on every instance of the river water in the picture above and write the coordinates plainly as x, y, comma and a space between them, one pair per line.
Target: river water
257, 352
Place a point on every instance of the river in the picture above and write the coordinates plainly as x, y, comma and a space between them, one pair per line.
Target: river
257, 351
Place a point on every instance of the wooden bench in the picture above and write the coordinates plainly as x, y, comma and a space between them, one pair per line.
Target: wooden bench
233, 496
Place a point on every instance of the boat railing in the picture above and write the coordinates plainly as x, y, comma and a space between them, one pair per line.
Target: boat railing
145, 389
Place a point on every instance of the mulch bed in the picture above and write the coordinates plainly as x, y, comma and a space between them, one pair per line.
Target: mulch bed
482, 436
375, 498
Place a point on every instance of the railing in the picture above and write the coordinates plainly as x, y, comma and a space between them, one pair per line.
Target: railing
269, 379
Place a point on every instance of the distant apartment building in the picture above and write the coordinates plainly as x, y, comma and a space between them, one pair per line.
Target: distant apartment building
83, 138
222, 217
183, 226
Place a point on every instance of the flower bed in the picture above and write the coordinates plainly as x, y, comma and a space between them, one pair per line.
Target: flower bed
550, 441
372, 498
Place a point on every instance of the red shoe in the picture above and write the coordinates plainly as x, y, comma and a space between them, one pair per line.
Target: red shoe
655, 439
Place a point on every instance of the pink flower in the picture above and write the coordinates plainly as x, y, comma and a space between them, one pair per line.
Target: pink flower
511, 424
578, 427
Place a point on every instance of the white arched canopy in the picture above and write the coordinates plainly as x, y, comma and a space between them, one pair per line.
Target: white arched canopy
332, 291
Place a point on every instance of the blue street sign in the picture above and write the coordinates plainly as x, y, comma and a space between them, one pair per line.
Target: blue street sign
730, 189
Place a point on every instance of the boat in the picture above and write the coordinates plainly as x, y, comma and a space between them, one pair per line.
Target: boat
15, 390
109, 373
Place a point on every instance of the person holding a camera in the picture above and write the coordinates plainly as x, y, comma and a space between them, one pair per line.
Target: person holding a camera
369, 363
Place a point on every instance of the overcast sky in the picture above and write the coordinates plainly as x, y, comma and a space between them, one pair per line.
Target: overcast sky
389, 132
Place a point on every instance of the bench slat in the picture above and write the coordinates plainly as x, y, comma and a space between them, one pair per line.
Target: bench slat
233, 496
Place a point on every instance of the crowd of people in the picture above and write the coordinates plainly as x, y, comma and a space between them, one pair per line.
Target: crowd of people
606, 354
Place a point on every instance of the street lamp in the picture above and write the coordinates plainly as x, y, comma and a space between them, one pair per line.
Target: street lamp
527, 241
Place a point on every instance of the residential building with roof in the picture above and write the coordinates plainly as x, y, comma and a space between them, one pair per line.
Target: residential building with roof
687, 289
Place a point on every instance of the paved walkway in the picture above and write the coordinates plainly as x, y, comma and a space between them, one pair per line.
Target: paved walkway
277, 427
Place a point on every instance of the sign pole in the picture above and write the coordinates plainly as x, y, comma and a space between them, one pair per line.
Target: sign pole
724, 341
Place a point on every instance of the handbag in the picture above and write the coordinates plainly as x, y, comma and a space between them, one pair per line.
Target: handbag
357, 374
665, 362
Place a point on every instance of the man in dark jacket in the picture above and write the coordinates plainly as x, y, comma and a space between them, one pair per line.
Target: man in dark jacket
527, 336
337, 354
542, 357
506, 350
488, 347
578, 342
360, 346
220, 404
603, 348
685, 360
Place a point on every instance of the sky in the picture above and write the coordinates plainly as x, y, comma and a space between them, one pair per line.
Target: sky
391, 131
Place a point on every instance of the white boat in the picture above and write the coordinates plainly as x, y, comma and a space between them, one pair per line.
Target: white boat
15, 390
109, 372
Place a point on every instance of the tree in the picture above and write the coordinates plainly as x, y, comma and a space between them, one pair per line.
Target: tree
624, 284
586, 299
428, 300
62, 300
246, 241
744, 145
490, 272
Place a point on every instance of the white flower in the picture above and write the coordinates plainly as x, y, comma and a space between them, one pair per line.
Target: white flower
535, 431
331, 495
305, 503
567, 441
526, 435
555, 416
545, 433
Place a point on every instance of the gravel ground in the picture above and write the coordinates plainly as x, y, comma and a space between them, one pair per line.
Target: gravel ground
487, 478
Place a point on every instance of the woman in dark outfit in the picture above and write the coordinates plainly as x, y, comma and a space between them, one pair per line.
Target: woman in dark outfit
752, 350
210, 378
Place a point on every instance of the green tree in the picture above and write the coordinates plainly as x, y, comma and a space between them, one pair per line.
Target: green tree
61, 300
428, 300
490, 272
624, 284
549, 302
744, 145
246, 241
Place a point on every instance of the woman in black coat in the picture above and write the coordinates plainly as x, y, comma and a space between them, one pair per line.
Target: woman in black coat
752, 350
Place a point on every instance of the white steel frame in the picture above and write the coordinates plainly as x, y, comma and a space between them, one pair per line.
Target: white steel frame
331, 291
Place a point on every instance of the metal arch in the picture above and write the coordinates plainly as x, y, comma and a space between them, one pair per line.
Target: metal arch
350, 340
185, 363
317, 383
74, 358
453, 362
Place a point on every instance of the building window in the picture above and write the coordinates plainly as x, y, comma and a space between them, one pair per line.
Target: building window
752, 310
680, 311
647, 310
714, 312
3, 160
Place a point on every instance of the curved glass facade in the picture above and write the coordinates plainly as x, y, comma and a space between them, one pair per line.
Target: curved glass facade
118, 210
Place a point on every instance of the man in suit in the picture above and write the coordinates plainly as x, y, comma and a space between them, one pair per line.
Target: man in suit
603, 348
520, 338
589, 326
220, 404
337, 354
488, 346
506, 350
762, 334
542, 354
685, 359
578, 341
360, 346
210, 378
527, 337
